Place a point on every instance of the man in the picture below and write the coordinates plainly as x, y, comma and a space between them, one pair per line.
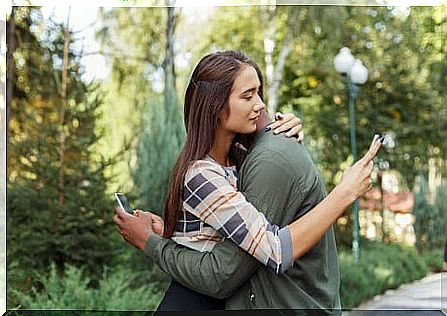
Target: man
279, 179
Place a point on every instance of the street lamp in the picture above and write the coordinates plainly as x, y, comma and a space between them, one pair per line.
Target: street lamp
354, 74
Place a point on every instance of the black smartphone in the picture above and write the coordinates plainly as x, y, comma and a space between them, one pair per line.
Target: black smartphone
123, 202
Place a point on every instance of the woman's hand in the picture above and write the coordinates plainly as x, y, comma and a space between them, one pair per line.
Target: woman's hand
290, 123
356, 180
157, 221
134, 229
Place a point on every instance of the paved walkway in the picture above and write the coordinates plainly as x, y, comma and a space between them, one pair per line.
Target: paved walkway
424, 297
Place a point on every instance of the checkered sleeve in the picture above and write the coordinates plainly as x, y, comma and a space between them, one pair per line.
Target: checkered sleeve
209, 195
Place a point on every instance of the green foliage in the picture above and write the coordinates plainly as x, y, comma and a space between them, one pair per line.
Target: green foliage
159, 145
429, 226
116, 291
381, 267
48, 222
434, 259
441, 203
241, 32
132, 37
133, 42
395, 98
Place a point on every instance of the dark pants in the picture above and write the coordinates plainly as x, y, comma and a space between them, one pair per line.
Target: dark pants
181, 298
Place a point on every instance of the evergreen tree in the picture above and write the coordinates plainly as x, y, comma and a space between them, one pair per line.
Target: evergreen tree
148, 43
163, 133
158, 149
42, 227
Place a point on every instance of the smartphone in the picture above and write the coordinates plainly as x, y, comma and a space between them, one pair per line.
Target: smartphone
123, 202
375, 138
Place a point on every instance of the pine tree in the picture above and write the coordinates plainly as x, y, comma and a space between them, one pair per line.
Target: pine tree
42, 227
157, 152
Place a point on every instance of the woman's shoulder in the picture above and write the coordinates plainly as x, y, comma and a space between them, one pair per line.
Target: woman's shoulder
203, 167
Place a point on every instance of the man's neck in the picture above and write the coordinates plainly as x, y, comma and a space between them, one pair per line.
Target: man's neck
263, 121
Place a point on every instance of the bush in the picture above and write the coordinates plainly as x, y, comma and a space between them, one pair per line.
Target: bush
429, 226
434, 260
381, 267
116, 291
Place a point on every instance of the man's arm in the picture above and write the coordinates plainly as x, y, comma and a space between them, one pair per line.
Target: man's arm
217, 273
220, 272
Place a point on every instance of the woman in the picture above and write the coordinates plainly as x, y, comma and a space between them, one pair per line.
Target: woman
222, 103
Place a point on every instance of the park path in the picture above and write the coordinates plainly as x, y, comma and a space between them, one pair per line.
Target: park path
427, 296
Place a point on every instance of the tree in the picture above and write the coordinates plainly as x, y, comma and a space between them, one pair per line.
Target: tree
158, 132
395, 98
274, 71
132, 40
43, 227
161, 141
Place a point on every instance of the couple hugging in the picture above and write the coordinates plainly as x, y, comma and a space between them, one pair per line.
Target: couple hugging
247, 221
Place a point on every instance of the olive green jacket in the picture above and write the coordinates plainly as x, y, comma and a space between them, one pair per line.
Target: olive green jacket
279, 179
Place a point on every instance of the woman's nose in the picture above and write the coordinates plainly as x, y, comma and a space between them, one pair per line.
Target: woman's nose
259, 106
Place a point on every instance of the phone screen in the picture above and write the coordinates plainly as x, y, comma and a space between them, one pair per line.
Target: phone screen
123, 202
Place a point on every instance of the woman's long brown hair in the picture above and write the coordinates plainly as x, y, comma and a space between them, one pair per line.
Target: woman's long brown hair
206, 99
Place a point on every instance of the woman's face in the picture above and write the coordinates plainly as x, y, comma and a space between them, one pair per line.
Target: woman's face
245, 104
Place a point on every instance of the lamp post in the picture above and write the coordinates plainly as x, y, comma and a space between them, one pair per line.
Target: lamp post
354, 74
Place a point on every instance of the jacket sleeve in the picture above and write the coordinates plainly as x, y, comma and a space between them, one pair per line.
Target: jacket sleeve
218, 273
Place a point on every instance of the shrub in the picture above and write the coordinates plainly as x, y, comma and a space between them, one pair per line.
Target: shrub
116, 291
381, 267
429, 226
434, 259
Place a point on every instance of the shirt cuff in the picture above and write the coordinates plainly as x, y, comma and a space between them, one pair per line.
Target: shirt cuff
286, 248
151, 244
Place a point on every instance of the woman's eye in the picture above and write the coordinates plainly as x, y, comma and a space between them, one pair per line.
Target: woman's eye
249, 98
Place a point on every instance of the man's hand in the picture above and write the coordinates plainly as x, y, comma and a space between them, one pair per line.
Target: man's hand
157, 222
356, 180
134, 229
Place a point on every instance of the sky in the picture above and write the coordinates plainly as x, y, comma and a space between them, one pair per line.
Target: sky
82, 19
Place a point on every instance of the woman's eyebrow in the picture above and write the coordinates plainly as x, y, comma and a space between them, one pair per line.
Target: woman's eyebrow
250, 90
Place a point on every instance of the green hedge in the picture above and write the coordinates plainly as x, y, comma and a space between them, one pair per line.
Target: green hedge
382, 267
119, 290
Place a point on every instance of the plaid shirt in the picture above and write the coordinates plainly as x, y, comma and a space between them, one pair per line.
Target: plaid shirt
213, 209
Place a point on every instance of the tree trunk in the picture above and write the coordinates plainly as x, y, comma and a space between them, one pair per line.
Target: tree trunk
168, 64
10, 69
63, 96
274, 71
269, 33
286, 48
